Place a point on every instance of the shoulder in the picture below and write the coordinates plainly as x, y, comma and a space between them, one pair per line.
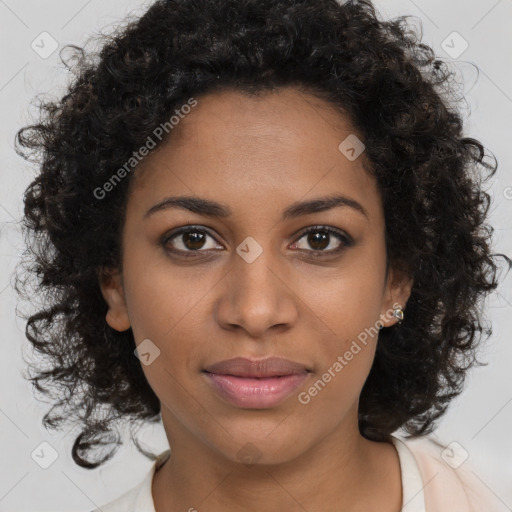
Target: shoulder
125, 502
139, 498
448, 479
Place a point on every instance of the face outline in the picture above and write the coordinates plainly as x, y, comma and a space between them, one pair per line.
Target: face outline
257, 156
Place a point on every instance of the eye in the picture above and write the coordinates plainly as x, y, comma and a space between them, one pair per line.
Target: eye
189, 239
320, 238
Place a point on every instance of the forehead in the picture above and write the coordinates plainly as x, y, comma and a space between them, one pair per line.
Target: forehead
232, 117
283, 143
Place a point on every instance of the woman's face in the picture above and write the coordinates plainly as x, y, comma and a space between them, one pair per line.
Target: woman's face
246, 281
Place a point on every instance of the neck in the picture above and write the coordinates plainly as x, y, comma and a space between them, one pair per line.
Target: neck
344, 471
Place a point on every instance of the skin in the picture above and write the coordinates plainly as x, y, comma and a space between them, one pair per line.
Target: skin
258, 156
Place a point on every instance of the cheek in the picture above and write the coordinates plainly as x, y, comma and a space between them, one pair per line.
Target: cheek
344, 360
347, 299
344, 309
161, 298
167, 306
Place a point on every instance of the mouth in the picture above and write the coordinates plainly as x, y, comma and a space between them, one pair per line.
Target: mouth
256, 384
252, 377
249, 368
255, 392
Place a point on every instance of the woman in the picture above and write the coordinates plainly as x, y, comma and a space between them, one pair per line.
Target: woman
259, 222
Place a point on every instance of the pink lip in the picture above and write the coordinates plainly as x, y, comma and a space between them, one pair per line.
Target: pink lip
256, 384
254, 392
269, 367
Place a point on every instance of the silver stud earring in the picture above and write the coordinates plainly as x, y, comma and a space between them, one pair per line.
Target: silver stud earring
398, 313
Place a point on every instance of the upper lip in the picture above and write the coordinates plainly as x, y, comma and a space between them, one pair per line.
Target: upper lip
244, 367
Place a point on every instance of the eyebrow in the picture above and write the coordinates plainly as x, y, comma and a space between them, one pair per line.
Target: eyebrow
211, 208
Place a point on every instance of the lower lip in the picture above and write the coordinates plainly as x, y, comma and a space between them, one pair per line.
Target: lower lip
255, 393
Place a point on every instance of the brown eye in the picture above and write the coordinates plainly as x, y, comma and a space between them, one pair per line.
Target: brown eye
323, 240
189, 239
193, 239
318, 240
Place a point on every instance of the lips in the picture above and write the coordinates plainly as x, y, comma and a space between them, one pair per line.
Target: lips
263, 368
261, 384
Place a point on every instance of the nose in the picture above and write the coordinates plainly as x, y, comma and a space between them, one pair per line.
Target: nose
257, 297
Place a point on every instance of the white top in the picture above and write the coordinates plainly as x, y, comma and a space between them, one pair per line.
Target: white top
140, 499
413, 499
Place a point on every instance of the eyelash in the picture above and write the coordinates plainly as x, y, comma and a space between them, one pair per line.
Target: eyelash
342, 237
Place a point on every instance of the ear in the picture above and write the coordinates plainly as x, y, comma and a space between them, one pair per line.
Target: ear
112, 290
397, 292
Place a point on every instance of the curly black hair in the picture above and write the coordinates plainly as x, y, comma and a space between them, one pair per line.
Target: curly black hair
398, 95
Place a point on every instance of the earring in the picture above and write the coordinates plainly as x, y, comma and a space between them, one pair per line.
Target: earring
398, 313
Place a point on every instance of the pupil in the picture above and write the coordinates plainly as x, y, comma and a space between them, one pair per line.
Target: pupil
194, 240
317, 240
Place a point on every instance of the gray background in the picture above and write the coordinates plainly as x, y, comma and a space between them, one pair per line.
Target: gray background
480, 420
